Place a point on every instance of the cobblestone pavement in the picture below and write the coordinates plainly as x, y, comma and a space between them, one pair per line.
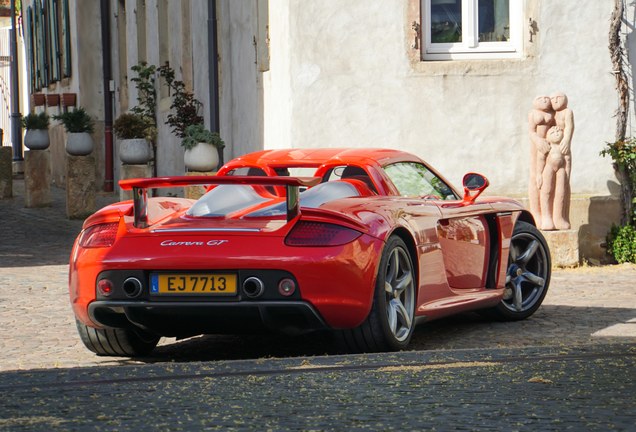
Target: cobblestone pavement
584, 306
582, 388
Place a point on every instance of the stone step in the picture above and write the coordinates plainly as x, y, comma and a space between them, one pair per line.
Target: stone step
564, 247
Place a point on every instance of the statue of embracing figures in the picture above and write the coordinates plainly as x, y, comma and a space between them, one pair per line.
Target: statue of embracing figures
551, 126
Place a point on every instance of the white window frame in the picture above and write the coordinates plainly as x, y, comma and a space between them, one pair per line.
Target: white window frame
470, 47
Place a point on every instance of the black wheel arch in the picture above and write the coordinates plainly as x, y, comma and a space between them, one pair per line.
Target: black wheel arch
526, 216
409, 241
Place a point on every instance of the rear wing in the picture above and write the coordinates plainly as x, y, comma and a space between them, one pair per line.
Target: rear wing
139, 186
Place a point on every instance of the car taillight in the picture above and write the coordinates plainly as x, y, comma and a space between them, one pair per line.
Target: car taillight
105, 287
320, 234
99, 236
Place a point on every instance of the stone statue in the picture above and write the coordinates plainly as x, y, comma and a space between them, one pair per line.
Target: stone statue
564, 118
540, 119
551, 126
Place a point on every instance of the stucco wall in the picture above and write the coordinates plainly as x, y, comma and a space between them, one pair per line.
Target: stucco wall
241, 88
344, 75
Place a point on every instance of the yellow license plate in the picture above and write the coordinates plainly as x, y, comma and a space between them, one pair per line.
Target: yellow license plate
190, 284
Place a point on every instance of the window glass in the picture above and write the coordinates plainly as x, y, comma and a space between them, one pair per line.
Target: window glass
48, 42
414, 179
247, 171
465, 29
312, 198
225, 199
494, 21
446, 21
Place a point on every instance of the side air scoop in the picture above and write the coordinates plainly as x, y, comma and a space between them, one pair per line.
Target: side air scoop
139, 186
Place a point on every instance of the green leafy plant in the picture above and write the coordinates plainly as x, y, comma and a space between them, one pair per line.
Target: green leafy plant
623, 154
34, 121
185, 107
77, 120
197, 133
621, 243
146, 93
621, 240
131, 126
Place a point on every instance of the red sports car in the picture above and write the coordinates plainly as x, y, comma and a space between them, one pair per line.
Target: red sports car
363, 242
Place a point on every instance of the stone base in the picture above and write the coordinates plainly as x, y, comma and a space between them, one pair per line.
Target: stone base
18, 168
591, 218
129, 171
197, 191
564, 247
37, 178
80, 186
6, 172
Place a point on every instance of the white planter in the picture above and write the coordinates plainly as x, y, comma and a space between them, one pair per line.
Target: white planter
79, 143
134, 151
202, 157
37, 139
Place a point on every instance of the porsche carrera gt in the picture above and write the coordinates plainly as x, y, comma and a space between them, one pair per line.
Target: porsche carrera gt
365, 243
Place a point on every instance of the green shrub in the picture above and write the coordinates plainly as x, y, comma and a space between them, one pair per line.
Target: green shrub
77, 120
131, 126
36, 121
621, 243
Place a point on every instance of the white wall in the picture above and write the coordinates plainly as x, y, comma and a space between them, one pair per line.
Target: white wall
241, 88
342, 75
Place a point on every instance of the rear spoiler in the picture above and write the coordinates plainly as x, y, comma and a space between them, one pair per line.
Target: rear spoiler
139, 186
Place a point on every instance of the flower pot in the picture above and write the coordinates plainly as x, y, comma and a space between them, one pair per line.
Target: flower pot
79, 143
37, 139
201, 157
134, 151
53, 100
69, 99
39, 99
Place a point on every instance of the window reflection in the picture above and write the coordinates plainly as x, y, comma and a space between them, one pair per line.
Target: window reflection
446, 21
494, 20
415, 180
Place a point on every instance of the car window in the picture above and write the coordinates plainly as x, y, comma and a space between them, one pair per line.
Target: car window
415, 179
247, 171
313, 198
225, 199
349, 172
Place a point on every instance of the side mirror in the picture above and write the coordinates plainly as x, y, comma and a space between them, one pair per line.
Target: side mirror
473, 183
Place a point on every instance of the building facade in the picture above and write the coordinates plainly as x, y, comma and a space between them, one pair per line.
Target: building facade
452, 81
67, 55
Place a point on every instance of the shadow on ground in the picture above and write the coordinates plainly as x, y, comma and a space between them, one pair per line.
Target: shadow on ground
551, 325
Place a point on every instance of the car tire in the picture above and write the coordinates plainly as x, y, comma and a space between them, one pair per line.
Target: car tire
389, 325
117, 341
527, 276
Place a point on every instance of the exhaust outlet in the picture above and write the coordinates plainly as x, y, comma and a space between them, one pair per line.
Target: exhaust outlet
132, 287
253, 287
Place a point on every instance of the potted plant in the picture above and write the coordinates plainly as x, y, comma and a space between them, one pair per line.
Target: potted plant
184, 108
37, 131
79, 125
201, 148
133, 130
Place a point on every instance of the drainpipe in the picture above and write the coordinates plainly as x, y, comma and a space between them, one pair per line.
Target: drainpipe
108, 97
213, 67
16, 116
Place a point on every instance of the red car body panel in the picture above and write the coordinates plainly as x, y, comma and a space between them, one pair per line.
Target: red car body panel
459, 249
